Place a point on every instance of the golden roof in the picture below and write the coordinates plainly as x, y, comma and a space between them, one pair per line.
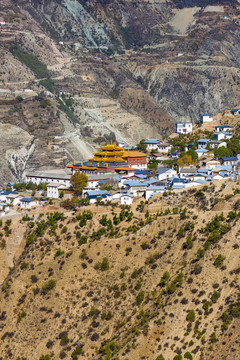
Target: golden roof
84, 167
130, 153
109, 153
111, 147
106, 159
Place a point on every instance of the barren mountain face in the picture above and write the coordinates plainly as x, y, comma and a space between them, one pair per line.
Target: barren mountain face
125, 70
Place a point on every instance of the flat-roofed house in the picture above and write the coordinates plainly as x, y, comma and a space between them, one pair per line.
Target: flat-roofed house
61, 176
13, 199
152, 144
28, 203
206, 118
184, 127
126, 199
54, 190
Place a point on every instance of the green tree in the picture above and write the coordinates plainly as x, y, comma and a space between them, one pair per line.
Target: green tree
193, 154
141, 146
105, 264
191, 316
222, 151
219, 260
78, 181
188, 355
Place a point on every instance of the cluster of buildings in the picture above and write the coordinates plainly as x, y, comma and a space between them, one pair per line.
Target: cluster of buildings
187, 126
127, 170
13, 198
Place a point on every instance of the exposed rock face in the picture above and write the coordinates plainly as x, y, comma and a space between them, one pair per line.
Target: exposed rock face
15, 149
129, 70
183, 91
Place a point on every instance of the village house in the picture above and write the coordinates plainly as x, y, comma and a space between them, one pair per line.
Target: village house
152, 144
235, 112
229, 160
211, 164
3, 208
126, 199
213, 144
28, 203
13, 199
196, 182
206, 171
222, 135
202, 143
93, 195
178, 186
201, 152
224, 170
3, 195
184, 127
222, 128
175, 154
58, 136
153, 190
165, 173
137, 188
61, 176
187, 172
164, 148
206, 118
54, 190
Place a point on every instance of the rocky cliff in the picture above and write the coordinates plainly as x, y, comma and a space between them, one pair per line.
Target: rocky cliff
113, 70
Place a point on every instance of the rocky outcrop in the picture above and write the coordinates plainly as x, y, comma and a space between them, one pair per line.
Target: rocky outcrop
185, 91
15, 149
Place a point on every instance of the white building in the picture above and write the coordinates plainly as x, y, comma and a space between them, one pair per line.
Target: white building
215, 144
127, 199
223, 135
211, 164
92, 195
187, 172
27, 203
13, 199
152, 144
184, 127
3, 195
54, 189
223, 128
165, 173
206, 118
164, 148
153, 190
4, 207
135, 187
57, 176
201, 152
235, 112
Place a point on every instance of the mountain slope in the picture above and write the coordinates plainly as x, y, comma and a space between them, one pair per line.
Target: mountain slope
165, 283
122, 66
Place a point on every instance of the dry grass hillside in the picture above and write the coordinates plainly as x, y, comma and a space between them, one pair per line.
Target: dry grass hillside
155, 281
129, 70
